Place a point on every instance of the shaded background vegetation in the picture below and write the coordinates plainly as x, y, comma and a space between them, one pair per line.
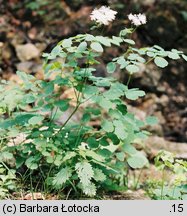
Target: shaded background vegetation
42, 23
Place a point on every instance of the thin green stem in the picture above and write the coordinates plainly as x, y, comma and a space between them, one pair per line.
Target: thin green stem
78, 100
75, 189
68, 193
163, 180
48, 174
149, 61
127, 52
38, 183
126, 180
138, 180
32, 191
78, 135
87, 99
53, 116
134, 29
173, 192
74, 111
44, 183
7, 167
129, 79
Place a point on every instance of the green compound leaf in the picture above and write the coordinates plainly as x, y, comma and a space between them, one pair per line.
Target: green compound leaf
62, 104
49, 159
173, 55
132, 68
162, 53
86, 117
184, 57
119, 130
55, 51
29, 98
95, 156
122, 62
23, 119
61, 177
31, 163
36, 120
92, 142
122, 108
58, 160
137, 160
113, 138
103, 40
90, 90
85, 172
33, 166
104, 102
105, 152
99, 175
82, 46
89, 37
101, 82
68, 156
141, 59
48, 88
120, 156
151, 54
25, 77
107, 126
158, 47
19, 162
160, 62
115, 113
96, 46
116, 40
66, 43
90, 189
125, 31
111, 67
129, 41
115, 92
104, 142
6, 156
133, 94
129, 149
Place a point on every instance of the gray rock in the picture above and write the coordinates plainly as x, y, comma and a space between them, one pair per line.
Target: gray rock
27, 51
154, 144
25, 66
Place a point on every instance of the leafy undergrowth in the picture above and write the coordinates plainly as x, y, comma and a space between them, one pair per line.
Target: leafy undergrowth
169, 183
44, 150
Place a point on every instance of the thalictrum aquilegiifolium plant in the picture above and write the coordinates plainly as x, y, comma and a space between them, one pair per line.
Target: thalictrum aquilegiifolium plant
73, 155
